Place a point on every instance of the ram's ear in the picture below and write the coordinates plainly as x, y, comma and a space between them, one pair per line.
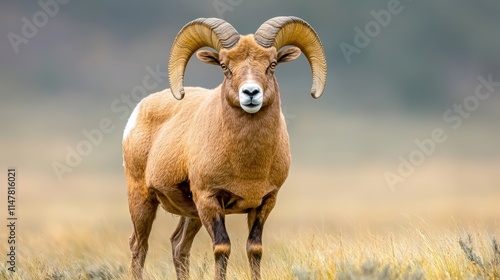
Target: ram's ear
289, 54
208, 57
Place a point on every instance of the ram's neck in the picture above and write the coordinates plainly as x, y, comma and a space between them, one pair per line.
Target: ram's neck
254, 138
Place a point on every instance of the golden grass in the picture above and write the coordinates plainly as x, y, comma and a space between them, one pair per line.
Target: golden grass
345, 225
412, 250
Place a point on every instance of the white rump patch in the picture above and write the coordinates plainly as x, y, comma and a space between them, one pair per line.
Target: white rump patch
131, 121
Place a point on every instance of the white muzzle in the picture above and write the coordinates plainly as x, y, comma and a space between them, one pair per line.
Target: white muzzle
251, 97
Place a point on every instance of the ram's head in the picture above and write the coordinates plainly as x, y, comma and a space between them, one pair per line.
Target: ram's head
248, 62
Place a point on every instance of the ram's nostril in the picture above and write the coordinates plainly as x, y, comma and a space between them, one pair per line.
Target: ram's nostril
251, 92
251, 89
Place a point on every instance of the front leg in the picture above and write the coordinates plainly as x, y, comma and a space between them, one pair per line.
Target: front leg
256, 219
212, 217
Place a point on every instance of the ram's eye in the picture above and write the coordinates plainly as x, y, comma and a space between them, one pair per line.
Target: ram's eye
273, 65
223, 66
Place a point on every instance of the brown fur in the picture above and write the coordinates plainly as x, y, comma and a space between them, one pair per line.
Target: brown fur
205, 157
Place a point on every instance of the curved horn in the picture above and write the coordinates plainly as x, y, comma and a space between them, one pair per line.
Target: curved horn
210, 32
283, 31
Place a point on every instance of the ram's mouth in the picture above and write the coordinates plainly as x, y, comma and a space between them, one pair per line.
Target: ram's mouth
251, 108
252, 102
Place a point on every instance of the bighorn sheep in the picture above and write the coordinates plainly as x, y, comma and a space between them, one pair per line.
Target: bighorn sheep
219, 151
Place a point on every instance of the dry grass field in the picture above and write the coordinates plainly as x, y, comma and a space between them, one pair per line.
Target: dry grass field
413, 250
317, 231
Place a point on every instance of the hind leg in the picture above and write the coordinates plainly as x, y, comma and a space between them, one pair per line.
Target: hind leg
181, 240
142, 206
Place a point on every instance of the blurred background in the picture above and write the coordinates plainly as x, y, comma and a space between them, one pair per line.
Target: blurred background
67, 67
